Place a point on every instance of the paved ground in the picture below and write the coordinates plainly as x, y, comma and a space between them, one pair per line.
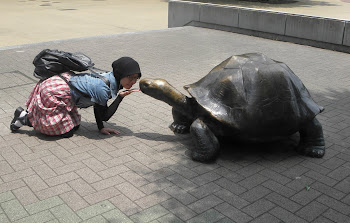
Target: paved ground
33, 21
145, 174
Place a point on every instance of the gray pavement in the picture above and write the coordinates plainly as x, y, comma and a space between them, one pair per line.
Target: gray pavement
145, 174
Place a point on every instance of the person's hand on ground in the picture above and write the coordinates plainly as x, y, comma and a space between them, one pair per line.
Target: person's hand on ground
127, 92
108, 131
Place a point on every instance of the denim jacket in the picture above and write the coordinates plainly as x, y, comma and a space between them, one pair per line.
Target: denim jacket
94, 87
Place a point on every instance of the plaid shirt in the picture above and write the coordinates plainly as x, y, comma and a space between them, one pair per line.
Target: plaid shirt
51, 109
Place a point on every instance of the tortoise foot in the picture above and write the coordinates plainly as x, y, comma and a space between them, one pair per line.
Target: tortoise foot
203, 158
179, 128
312, 151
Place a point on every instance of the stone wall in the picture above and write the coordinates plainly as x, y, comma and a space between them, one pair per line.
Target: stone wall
320, 32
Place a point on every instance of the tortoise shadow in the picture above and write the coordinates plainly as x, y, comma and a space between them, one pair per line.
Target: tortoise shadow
235, 150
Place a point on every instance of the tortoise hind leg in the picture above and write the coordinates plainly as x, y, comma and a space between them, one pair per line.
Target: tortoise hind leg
311, 139
206, 144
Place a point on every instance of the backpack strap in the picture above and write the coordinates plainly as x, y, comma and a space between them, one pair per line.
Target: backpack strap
104, 79
70, 85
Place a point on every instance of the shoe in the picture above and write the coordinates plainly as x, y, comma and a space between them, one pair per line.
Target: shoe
18, 112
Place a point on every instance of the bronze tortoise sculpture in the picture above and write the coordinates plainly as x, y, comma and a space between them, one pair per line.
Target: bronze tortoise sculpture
247, 96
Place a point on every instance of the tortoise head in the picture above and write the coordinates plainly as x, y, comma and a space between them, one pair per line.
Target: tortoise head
156, 88
160, 89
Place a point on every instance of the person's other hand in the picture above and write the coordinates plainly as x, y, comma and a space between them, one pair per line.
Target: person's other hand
108, 131
127, 92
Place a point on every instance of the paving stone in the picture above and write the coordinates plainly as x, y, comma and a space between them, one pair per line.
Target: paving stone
233, 213
205, 190
44, 171
64, 214
334, 204
88, 175
4, 219
152, 199
299, 183
94, 210
205, 178
335, 216
255, 194
285, 215
159, 174
205, 204
278, 188
339, 173
182, 182
180, 194
322, 219
6, 196
102, 195
94, 164
283, 202
208, 216
134, 178
344, 186
170, 218
97, 219
116, 216
266, 218
232, 199
43, 205
18, 175
106, 183
5, 168
258, 208
35, 183
14, 210
149, 214
25, 196
125, 205
312, 211
11, 185
67, 168
177, 208
230, 186
40, 217
130, 191
73, 200
253, 181
305, 196
81, 187
53, 191
156, 186
321, 178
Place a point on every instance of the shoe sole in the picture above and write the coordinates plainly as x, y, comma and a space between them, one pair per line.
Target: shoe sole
16, 114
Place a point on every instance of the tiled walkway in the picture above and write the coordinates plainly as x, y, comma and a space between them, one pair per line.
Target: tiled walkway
145, 174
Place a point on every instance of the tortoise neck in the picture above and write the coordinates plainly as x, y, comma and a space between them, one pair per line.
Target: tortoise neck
181, 103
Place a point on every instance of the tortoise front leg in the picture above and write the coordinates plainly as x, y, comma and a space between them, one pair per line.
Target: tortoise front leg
206, 144
311, 139
181, 122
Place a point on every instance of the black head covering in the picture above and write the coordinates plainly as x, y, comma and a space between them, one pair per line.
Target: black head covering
125, 66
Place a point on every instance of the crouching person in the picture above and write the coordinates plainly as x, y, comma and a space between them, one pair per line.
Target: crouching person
52, 106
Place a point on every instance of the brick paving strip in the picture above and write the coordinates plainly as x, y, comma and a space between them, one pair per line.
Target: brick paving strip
145, 174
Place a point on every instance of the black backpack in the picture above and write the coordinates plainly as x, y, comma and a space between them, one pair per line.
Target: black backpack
54, 62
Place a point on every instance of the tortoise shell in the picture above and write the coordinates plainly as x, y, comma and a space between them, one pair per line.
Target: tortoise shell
255, 94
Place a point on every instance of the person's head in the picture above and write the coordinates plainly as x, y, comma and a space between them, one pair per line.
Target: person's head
126, 71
